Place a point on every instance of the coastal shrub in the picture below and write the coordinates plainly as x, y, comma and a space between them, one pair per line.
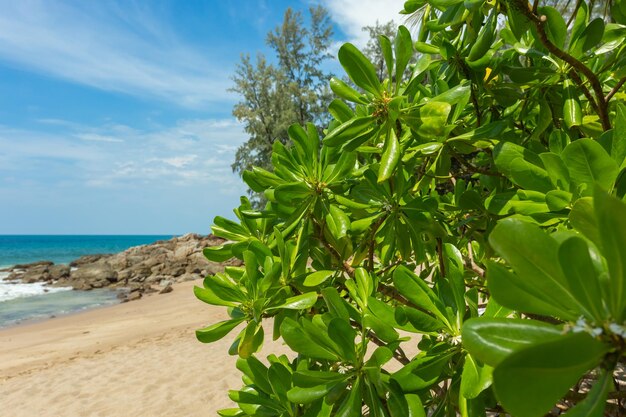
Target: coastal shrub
472, 212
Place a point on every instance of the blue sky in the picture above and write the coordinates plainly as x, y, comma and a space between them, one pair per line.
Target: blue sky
115, 116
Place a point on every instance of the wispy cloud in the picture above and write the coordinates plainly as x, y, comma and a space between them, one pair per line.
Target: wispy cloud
353, 15
192, 153
110, 46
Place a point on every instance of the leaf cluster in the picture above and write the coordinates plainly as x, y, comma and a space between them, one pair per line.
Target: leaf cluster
454, 242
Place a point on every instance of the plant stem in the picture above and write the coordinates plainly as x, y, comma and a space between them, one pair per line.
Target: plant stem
601, 103
615, 89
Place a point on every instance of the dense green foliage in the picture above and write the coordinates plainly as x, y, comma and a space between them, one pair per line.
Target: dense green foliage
475, 209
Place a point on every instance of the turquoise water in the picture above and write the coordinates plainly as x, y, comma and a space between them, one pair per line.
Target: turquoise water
48, 305
21, 302
20, 249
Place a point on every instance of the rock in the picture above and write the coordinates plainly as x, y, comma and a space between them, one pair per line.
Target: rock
35, 274
122, 293
97, 275
153, 279
147, 289
88, 259
81, 285
134, 295
136, 271
32, 265
165, 282
167, 288
57, 272
188, 277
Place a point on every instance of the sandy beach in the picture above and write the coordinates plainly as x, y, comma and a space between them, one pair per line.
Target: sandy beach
133, 359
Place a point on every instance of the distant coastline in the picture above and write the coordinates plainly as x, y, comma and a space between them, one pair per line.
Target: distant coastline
144, 265
63, 249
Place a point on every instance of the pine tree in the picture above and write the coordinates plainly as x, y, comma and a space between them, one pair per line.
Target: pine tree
292, 89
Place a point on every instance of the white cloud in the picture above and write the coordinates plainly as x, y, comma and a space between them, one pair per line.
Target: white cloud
110, 46
192, 153
180, 161
353, 15
93, 137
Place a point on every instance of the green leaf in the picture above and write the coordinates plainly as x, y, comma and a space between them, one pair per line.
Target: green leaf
343, 335
530, 176
491, 340
351, 407
306, 395
531, 253
337, 221
557, 170
359, 69
255, 370
418, 292
590, 36
299, 302
422, 372
228, 229
251, 340
404, 51
572, 111
306, 148
618, 145
518, 294
383, 330
421, 322
348, 130
485, 38
209, 297
580, 23
340, 110
530, 381
222, 288
475, 378
364, 284
250, 263
317, 278
279, 377
522, 166
518, 23
300, 341
218, 253
557, 200
555, 25
589, 164
218, 330
416, 409
611, 220
582, 217
346, 92
390, 157
336, 304
342, 168
387, 50
583, 279
426, 48
429, 121
595, 402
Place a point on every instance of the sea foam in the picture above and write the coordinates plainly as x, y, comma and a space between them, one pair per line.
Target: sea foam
10, 290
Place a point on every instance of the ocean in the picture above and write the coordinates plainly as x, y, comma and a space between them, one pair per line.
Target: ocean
21, 302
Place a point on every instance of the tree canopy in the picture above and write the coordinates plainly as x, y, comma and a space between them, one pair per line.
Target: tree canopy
294, 89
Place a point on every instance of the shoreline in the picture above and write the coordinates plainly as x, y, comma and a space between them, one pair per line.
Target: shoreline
37, 320
139, 358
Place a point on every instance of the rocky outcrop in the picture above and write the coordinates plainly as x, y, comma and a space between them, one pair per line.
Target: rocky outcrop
136, 271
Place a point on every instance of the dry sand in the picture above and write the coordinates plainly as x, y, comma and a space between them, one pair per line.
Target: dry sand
134, 359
